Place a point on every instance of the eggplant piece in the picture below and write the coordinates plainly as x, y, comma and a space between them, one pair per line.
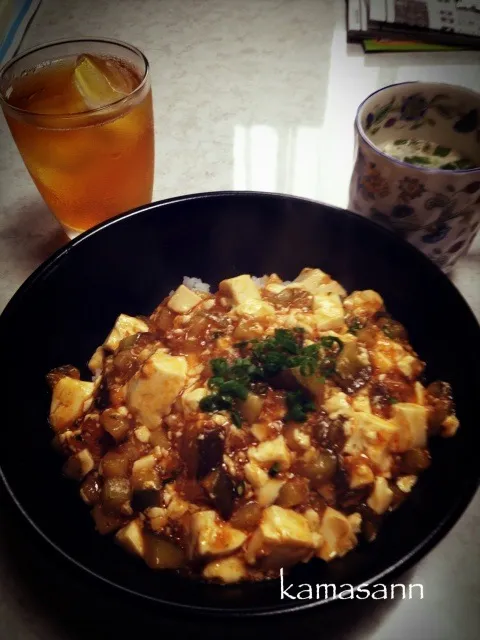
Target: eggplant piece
329, 433
65, 371
145, 498
370, 523
163, 554
107, 522
210, 449
202, 449
220, 488
247, 517
115, 493
116, 423
285, 380
102, 397
352, 384
319, 470
414, 461
440, 402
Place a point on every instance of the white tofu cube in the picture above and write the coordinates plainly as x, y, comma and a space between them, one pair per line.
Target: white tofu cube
158, 517
274, 287
268, 493
284, 537
363, 303
355, 520
227, 570
313, 519
183, 300
211, 537
300, 440
261, 430
412, 424
271, 451
253, 308
381, 362
177, 507
360, 475
328, 312
361, 402
131, 538
191, 400
78, 465
450, 426
310, 280
153, 390
251, 407
95, 363
381, 496
124, 326
337, 405
410, 366
331, 287
143, 464
70, 399
255, 475
142, 434
420, 393
368, 429
406, 483
337, 533
372, 436
240, 289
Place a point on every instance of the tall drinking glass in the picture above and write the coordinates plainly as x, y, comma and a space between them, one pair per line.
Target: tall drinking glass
80, 112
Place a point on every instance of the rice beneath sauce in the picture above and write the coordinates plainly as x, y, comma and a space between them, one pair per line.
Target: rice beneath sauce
196, 284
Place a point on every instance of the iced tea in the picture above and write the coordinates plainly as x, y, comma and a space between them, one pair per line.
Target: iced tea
83, 124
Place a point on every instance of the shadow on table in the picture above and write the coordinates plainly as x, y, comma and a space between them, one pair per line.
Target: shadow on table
56, 600
32, 234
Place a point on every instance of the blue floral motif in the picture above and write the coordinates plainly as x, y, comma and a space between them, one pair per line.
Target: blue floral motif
438, 233
402, 211
410, 189
468, 122
472, 188
369, 121
414, 107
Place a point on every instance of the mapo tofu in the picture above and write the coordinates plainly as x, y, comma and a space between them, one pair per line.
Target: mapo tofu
232, 434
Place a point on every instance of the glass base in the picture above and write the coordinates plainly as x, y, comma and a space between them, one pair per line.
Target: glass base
70, 232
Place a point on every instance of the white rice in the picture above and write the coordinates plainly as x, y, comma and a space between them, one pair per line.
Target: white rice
196, 284
260, 282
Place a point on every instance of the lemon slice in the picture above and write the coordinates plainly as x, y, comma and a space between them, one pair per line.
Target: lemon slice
96, 89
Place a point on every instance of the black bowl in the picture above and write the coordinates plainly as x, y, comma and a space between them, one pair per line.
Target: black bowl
128, 264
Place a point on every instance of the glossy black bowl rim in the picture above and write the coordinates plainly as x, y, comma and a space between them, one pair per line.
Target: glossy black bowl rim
394, 570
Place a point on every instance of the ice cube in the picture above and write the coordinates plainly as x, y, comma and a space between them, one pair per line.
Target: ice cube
98, 82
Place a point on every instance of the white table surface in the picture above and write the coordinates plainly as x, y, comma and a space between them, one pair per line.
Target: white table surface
248, 94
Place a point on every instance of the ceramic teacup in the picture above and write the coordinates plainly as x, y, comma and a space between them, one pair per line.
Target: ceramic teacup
437, 210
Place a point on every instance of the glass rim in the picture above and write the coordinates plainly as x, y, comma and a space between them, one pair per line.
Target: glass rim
96, 110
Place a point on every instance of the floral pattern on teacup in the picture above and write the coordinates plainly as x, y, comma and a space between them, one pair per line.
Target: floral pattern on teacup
372, 184
410, 188
437, 210
414, 111
430, 227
